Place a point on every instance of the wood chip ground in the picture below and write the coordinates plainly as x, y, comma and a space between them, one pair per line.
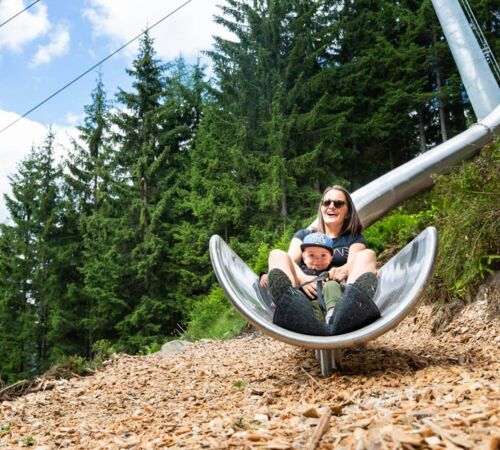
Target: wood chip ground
406, 390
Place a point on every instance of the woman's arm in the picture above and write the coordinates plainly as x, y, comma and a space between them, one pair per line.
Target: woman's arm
342, 272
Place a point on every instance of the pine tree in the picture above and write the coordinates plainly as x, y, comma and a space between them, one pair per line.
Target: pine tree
156, 130
34, 239
17, 312
266, 87
88, 215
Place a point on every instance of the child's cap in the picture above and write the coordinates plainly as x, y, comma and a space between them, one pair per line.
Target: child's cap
317, 240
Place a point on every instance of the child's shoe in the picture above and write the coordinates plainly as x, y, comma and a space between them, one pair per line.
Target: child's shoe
329, 315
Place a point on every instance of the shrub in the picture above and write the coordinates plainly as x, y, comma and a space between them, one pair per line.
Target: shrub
68, 366
102, 349
214, 317
467, 217
396, 230
150, 349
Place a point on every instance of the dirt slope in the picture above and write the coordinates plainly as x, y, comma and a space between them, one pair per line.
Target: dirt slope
408, 389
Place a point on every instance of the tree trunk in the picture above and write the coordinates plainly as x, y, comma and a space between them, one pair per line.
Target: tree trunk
317, 185
421, 130
284, 206
145, 228
441, 97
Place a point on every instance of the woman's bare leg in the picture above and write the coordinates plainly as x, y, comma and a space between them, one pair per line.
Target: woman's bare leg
364, 261
278, 259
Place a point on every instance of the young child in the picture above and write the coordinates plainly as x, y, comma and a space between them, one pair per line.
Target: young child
317, 257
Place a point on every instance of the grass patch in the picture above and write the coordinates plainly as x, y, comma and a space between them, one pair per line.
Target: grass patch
464, 206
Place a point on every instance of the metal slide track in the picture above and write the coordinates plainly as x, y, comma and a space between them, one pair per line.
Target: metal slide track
402, 280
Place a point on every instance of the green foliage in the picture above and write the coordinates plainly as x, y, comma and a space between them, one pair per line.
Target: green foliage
34, 259
103, 349
150, 349
258, 260
468, 218
213, 317
396, 229
464, 206
28, 441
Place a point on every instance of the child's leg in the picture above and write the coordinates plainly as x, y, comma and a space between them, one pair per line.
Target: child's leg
318, 312
331, 294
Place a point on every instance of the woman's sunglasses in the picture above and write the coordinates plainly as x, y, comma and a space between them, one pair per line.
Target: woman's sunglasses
336, 203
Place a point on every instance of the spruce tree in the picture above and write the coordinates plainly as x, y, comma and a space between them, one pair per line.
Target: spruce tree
89, 219
266, 88
155, 131
17, 311
35, 286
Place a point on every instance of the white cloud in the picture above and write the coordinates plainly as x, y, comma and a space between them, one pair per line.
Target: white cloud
74, 119
186, 32
57, 46
26, 27
17, 141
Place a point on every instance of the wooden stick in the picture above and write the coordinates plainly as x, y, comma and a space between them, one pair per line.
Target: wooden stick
320, 430
310, 376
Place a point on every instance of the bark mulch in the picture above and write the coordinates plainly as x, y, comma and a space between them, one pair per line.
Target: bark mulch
408, 389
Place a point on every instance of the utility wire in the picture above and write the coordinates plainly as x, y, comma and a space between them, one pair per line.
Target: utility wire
95, 65
20, 12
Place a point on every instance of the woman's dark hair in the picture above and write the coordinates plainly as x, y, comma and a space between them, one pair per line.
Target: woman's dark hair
352, 225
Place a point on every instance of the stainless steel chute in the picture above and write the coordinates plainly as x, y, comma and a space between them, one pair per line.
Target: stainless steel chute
401, 281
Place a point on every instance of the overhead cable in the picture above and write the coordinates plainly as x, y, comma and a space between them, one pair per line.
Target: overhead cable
95, 65
20, 12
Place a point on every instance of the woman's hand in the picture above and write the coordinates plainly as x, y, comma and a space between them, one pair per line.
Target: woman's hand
263, 280
338, 273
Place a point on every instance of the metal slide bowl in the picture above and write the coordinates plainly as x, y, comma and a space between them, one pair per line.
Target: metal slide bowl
401, 283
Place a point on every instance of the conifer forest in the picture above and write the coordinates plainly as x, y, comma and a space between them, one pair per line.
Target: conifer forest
111, 244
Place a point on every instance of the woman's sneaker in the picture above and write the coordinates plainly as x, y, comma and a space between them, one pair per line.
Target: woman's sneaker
278, 283
367, 283
356, 308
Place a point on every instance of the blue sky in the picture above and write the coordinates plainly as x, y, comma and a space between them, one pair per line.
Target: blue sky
54, 41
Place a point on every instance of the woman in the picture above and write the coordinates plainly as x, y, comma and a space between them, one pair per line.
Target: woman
337, 218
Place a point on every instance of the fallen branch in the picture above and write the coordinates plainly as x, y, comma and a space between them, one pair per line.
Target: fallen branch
13, 387
320, 430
